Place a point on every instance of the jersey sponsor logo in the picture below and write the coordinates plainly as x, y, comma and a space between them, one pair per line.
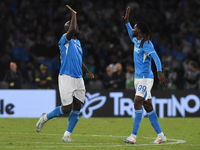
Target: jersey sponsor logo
137, 50
91, 104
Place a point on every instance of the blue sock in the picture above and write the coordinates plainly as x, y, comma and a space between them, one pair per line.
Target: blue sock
137, 120
154, 121
73, 119
55, 113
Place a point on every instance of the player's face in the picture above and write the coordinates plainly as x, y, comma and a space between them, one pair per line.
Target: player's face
135, 30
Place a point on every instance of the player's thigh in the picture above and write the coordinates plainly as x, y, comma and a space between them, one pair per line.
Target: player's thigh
79, 93
138, 102
76, 104
143, 87
66, 89
148, 105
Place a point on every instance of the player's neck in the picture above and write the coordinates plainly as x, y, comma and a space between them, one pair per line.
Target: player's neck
140, 36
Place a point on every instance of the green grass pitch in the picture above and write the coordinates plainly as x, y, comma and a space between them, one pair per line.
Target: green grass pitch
98, 134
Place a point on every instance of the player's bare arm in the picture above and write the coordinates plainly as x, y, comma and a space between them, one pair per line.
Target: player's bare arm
162, 79
88, 73
73, 24
126, 18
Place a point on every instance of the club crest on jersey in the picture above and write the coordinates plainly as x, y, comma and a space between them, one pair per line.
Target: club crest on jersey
136, 49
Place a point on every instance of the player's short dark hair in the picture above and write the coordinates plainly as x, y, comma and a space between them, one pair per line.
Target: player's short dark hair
144, 28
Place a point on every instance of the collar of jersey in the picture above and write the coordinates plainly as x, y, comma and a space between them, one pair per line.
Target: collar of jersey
139, 40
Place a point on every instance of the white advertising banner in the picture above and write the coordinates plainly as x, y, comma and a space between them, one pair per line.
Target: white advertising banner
26, 103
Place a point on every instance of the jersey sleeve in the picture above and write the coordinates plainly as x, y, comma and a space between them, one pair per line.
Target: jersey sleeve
157, 61
148, 47
63, 40
130, 33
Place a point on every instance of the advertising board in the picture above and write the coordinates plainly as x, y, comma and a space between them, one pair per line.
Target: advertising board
167, 103
26, 103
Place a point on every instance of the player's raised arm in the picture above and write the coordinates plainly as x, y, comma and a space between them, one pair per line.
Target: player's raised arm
126, 17
73, 24
128, 25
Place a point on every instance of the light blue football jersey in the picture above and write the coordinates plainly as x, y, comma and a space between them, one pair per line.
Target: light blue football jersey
71, 57
142, 58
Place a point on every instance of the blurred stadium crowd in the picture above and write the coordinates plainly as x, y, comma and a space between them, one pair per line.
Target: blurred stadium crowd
30, 31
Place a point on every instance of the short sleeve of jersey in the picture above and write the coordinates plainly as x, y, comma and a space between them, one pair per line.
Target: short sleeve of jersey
134, 40
63, 40
148, 47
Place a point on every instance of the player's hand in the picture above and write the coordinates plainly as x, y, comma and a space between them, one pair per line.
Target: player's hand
126, 18
162, 79
73, 11
90, 75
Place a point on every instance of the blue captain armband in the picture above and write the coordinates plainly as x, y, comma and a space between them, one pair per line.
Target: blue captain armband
157, 61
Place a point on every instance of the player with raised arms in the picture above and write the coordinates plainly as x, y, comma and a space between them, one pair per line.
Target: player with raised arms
143, 52
71, 84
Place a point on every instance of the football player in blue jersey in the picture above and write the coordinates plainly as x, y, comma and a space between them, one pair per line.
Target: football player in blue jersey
71, 84
144, 51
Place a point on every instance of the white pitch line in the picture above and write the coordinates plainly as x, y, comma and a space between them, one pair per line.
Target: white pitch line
194, 144
176, 141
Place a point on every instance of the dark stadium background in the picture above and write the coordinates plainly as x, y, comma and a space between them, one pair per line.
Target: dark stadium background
30, 31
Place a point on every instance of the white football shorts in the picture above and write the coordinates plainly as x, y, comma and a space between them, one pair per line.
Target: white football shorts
143, 87
69, 87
